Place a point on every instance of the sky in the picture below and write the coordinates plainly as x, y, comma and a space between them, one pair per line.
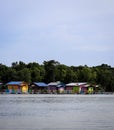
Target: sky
72, 32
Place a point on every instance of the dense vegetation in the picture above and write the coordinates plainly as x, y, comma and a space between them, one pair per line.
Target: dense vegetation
52, 70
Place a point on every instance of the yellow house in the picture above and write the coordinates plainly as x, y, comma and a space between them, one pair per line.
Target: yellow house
90, 90
17, 87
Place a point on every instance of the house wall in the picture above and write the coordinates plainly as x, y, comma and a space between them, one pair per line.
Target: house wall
83, 89
52, 89
13, 88
37, 90
76, 89
61, 90
90, 90
18, 89
24, 89
72, 89
69, 89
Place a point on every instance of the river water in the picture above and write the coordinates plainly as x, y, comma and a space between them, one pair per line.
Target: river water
56, 112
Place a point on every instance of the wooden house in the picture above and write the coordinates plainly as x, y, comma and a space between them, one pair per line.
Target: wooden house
88, 88
17, 87
83, 88
60, 87
76, 88
52, 87
38, 87
56, 87
93, 89
71, 88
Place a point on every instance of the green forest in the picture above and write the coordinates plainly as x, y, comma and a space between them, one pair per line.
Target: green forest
49, 71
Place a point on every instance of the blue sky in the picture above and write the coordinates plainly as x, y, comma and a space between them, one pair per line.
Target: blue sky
73, 32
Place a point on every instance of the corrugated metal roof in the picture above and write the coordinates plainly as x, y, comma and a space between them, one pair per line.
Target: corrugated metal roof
61, 85
15, 83
40, 84
57, 84
76, 84
53, 84
71, 84
82, 83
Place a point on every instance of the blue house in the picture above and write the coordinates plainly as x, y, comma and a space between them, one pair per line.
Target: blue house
38, 87
17, 87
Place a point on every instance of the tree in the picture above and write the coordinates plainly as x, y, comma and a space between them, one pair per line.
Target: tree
35, 75
24, 75
18, 66
50, 68
3, 73
37, 71
70, 75
61, 72
105, 77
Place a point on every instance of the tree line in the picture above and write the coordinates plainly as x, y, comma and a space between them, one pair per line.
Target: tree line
50, 71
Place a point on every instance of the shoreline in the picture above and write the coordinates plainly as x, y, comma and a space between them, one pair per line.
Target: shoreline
56, 95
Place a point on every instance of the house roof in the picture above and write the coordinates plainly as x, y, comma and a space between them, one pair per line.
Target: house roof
71, 84
52, 84
40, 84
76, 84
57, 84
15, 83
82, 83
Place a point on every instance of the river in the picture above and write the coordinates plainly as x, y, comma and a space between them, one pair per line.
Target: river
56, 112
